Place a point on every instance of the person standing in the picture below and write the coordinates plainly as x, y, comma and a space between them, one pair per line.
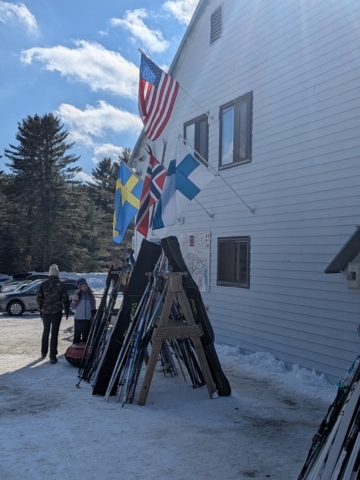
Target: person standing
52, 299
84, 304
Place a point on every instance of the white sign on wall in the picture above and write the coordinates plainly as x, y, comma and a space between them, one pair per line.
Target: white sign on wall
195, 248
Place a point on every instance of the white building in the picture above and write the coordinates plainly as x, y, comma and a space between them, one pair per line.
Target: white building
273, 103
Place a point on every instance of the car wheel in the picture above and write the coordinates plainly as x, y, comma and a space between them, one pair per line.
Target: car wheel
15, 308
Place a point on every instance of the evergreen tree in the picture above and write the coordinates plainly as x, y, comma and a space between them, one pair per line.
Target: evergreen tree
43, 187
102, 188
11, 259
125, 155
46, 215
102, 193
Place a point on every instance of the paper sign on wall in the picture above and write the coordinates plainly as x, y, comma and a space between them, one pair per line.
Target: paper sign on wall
195, 248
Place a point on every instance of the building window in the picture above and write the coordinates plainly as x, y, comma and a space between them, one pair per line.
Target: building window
236, 132
216, 25
234, 262
196, 134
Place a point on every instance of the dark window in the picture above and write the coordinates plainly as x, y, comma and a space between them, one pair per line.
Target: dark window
235, 132
234, 262
216, 25
196, 135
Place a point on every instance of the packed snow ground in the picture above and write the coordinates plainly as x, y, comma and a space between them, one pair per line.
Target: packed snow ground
50, 429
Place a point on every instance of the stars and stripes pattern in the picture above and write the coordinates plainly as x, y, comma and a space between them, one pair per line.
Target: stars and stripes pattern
157, 95
152, 189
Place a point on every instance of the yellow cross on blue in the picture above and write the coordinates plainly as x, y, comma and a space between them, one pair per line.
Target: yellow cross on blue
127, 201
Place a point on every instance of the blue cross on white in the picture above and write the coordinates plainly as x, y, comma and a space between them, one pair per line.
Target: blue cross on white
185, 178
182, 181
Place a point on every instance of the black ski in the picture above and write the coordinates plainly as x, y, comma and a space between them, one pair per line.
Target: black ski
331, 420
146, 260
90, 347
173, 253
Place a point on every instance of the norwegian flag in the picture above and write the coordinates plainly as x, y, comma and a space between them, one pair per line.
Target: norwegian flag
151, 192
157, 95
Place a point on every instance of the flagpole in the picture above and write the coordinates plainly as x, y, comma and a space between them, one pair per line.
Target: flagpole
211, 215
207, 113
217, 174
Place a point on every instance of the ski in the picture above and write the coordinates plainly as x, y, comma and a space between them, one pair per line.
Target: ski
146, 260
347, 447
352, 471
327, 425
326, 460
99, 331
90, 341
173, 253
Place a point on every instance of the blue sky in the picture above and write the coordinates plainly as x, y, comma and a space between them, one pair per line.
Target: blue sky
79, 59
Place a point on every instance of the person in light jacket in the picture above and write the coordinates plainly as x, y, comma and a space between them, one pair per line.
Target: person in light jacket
84, 304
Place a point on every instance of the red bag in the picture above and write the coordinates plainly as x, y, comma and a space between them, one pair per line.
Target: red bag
75, 353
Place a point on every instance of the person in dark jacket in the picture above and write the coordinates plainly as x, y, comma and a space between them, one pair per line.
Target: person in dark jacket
52, 299
84, 304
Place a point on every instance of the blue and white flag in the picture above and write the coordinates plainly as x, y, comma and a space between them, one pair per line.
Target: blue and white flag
185, 178
127, 201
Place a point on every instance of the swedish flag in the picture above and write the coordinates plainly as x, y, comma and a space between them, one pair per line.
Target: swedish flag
127, 201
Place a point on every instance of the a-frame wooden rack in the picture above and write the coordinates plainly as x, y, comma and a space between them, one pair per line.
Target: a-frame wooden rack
168, 330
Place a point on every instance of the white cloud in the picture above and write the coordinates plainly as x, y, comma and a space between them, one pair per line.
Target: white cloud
83, 125
107, 150
89, 63
82, 176
153, 40
17, 13
181, 9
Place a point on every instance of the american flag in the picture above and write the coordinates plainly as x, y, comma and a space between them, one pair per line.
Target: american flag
157, 95
151, 192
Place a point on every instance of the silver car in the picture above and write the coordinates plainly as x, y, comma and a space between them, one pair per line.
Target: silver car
24, 298
12, 284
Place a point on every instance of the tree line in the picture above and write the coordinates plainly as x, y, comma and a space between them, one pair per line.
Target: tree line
47, 215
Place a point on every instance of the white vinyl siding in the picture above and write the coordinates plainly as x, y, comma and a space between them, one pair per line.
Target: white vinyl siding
300, 60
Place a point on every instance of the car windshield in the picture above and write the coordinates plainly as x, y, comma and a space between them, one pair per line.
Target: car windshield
34, 289
28, 285
22, 285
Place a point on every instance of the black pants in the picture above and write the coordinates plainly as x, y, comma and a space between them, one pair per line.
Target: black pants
50, 321
81, 330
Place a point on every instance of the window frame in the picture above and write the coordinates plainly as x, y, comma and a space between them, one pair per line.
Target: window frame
196, 122
233, 240
248, 100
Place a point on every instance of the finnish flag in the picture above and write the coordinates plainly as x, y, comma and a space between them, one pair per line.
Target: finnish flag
185, 178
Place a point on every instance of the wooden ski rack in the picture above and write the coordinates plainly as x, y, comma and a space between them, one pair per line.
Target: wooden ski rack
168, 330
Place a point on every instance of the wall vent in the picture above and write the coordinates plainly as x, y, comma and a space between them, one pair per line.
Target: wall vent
216, 25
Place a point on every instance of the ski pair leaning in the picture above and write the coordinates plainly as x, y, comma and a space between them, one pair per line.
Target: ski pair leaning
334, 453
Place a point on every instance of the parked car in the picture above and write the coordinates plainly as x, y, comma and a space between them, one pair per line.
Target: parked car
13, 284
3, 279
23, 298
20, 278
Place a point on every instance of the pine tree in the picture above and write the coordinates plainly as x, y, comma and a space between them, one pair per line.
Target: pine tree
102, 188
41, 189
10, 254
102, 192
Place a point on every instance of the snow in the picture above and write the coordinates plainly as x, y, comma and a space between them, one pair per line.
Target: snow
51, 429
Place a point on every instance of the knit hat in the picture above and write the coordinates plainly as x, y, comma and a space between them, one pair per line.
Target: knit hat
54, 270
81, 281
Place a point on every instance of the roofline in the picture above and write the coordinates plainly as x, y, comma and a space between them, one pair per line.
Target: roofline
186, 34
